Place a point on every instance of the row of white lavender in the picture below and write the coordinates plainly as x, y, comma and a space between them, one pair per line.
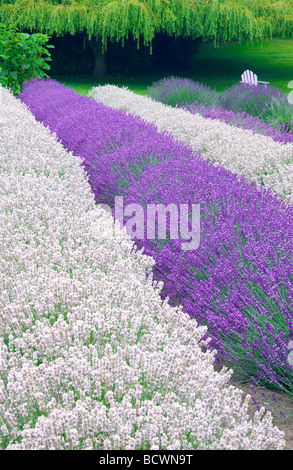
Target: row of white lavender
90, 356
257, 157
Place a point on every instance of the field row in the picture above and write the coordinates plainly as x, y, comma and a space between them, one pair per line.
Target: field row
257, 157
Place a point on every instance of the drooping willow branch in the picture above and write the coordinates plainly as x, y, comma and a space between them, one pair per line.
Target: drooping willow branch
115, 20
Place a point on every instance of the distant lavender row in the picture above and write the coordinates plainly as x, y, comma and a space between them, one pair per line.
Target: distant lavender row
257, 157
239, 280
175, 91
243, 120
267, 104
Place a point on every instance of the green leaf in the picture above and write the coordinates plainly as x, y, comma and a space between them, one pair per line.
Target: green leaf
3, 81
13, 75
22, 56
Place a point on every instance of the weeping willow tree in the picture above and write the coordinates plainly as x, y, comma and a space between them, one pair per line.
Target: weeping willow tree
101, 21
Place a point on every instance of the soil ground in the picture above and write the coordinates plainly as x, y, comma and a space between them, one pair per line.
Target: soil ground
282, 403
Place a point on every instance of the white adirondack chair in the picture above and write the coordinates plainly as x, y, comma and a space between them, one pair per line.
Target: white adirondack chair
250, 78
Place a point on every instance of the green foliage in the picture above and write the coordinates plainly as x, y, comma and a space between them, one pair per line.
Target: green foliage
21, 57
278, 111
183, 91
115, 20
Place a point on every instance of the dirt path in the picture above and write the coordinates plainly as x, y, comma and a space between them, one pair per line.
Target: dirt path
284, 403
275, 401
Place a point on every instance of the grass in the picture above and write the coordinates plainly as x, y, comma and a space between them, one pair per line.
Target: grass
220, 68
82, 84
271, 60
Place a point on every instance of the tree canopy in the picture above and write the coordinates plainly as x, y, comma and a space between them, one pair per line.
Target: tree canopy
115, 20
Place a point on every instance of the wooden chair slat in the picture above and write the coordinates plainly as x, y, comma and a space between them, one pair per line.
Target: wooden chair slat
250, 78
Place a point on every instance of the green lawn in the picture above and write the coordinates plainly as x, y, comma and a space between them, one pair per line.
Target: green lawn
272, 61
82, 84
219, 67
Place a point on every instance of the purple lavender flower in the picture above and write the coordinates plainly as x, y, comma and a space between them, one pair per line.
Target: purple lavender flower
267, 103
242, 96
181, 91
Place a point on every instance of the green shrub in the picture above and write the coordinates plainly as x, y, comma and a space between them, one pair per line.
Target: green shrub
22, 57
277, 111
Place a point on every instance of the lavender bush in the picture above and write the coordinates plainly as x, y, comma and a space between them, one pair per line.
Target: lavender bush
268, 103
175, 90
239, 282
